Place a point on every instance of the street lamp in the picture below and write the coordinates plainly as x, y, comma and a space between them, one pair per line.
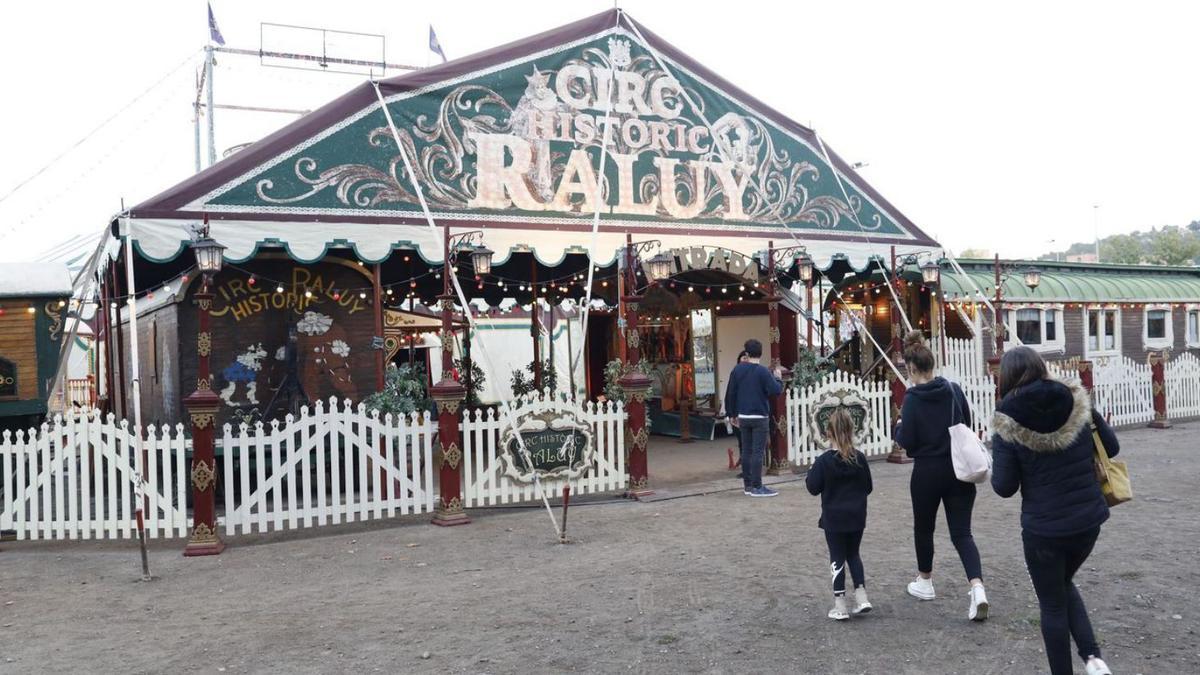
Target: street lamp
931, 273
202, 406
1033, 277
481, 259
805, 266
660, 266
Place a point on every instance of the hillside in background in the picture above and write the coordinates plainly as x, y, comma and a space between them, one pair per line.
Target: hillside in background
1167, 245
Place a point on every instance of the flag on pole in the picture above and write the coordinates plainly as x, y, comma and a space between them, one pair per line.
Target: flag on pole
213, 31
434, 45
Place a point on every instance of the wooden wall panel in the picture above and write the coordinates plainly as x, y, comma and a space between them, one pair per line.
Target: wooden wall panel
18, 344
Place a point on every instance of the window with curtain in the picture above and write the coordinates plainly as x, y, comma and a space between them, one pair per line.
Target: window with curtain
1193, 328
1029, 326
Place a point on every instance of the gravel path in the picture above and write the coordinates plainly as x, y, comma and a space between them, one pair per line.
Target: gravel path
714, 584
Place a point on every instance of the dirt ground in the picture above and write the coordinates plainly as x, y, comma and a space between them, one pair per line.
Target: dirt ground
718, 583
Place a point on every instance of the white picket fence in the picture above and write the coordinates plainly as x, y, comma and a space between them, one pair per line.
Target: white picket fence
484, 480
960, 359
1122, 390
1182, 375
76, 478
332, 465
980, 391
804, 445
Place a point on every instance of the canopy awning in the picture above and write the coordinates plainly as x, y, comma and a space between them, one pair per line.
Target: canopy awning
1073, 282
507, 141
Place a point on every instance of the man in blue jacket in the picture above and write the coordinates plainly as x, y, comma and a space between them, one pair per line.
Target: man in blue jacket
748, 405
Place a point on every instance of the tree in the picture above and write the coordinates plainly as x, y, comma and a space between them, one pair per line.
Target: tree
1121, 249
978, 253
1194, 226
1174, 246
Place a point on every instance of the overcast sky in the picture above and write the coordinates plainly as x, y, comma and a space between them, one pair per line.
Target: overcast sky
995, 125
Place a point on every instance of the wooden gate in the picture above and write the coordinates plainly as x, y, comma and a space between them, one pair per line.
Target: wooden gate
328, 466
485, 482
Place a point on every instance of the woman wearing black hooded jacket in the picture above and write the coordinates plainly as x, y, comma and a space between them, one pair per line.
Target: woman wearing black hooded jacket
931, 406
1043, 446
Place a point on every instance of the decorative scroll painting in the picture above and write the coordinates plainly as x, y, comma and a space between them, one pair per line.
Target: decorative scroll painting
520, 142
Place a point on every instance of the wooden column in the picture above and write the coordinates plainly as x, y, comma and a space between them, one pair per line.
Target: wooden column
202, 406
1158, 389
377, 290
448, 396
636, 386
896, 349
535, 326
777, 463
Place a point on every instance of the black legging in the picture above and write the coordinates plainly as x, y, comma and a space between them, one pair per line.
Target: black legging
933, 483
1052, 564
843, 552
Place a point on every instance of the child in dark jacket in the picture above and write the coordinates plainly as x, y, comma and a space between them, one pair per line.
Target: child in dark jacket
843, 479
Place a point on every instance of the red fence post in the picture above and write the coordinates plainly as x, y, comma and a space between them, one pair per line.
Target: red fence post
1158, 389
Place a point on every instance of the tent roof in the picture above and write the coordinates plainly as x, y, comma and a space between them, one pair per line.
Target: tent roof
333, 177
19, 280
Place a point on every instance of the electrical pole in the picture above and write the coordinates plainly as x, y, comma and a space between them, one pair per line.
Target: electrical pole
208, 78
1096, 228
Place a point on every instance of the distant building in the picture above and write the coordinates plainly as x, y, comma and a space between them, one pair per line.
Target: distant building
1080, 257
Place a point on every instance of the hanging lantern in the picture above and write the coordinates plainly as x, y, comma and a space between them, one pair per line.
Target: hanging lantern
659, 267
804, 265
931, 273
481, 259
1033, 277
209, 254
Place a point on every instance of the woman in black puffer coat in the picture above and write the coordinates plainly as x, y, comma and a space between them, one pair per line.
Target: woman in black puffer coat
1043, 446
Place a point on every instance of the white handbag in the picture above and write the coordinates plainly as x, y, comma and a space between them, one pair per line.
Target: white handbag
972, 462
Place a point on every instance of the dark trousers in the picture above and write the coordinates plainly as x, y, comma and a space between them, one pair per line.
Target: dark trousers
933, 484
753, 433
843, 552
1052, 563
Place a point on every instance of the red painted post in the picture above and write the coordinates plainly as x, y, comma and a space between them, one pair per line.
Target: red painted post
1086, 375
636, 385
448, 395
202, 406
1158, 389
896, 384
778, 461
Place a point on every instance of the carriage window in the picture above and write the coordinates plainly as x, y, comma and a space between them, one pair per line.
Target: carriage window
1035, 327
8, 378
1156, 324
1102, 330
1157, 332
1193, 328
1029, 326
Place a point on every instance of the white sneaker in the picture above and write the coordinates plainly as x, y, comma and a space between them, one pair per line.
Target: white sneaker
839, 613
861, 604
979, 604
922, 589
1097, 666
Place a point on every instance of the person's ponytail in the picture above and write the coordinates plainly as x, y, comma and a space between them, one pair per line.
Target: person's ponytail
917, 353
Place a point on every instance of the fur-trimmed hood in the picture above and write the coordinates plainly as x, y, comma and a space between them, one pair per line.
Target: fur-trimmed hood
1044, 416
